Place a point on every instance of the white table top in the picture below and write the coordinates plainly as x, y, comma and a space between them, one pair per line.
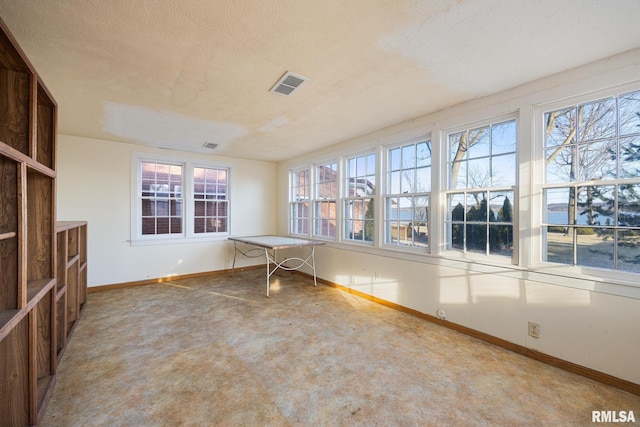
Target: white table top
276, 242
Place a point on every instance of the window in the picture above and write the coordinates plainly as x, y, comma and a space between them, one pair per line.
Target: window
325, 195
178, 199
408, 184
592, 184
210, 202
482, 174
299, 202
161, 198
360, 188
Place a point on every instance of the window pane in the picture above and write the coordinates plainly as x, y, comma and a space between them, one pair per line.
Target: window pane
630, 157
148, 226
421, 209
560, 127
394, 183
176, 225
559, 206
559, 247
629, 205
457, 237
162, 225
476, 238
629, 250
597, 120
198, 225
560, 165
423, 154
458, 146
598, 160
501, 207
503, 172
423, 180
595, 247
458, 176
479, 173
503, 138
476, 209
595, 205
478, 142
393, 208
456, 207
394, 159
629, 106
501, 240
409, 157
371, 165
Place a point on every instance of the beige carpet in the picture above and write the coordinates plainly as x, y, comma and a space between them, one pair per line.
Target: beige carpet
215, 351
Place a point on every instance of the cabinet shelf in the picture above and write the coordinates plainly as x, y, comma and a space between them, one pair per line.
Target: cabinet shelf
72, 260
8, 319
71, 286
36, 289
8, 235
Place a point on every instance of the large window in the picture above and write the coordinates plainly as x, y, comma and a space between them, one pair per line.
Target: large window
299, 202
176, 199
482, 176
161, 198
325, 196
592, 184
211, 204
358, 201
408, 189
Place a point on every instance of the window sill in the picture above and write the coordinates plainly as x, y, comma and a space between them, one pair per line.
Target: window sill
177, 240
607, 282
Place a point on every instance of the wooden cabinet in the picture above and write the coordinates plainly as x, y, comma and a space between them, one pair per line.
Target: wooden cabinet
34, 323
71, 283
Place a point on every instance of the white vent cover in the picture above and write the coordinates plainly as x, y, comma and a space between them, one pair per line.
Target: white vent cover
288, 83
210, 145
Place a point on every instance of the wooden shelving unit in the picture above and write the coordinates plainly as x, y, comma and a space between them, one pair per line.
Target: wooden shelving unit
34, 323
71, 284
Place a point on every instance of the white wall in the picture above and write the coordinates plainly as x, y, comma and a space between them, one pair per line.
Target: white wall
94, 184
591, 321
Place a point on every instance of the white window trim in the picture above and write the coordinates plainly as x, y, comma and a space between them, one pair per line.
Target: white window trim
314, 199
187, 235
443, 191
343, 195
407, 139
526, 262
557, 269
292, 171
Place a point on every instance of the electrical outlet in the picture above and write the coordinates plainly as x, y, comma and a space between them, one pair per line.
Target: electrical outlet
376, 276
534, 330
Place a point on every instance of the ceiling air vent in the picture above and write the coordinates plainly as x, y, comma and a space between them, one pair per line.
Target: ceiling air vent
210, 145
288, 83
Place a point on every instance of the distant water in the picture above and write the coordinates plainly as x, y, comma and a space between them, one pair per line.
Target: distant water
561, 218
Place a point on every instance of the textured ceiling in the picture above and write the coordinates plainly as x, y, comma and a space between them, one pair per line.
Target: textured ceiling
177, 74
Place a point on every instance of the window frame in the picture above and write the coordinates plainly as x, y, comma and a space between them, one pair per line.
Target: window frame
188, 210
317, 198
527, 203
446, 193
540, 147
387, 193
306, 218
355, 200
